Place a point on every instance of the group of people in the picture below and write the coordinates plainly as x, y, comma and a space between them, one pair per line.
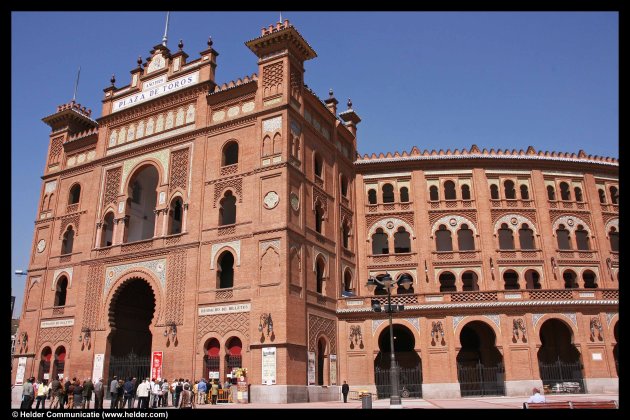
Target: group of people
62, 393
154, 393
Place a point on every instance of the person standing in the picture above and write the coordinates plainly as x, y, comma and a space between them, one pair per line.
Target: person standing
215, 392
78, 395
165, 388
54, 393
186, 399
99, 394
113, 392
88, 387
345, 389
42, 394
128, 392
27, 394
536, 397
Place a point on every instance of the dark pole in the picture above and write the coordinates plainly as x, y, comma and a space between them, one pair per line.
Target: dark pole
394, 399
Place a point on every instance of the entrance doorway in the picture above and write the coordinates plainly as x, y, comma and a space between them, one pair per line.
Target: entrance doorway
480, 369
408, 361
558, 359
129, 343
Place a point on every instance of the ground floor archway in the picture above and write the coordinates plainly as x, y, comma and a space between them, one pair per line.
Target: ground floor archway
407, 359
561, 369
480, 369
129, 343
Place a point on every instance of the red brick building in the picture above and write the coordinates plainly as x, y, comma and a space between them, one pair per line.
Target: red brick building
233, 225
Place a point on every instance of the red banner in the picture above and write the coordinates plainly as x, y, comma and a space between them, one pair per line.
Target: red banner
156, 365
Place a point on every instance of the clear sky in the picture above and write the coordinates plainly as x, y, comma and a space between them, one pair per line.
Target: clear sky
429, 79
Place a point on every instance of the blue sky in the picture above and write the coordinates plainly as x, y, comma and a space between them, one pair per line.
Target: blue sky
426, 79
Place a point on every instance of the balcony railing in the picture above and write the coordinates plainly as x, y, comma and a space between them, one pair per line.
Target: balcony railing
137, 246
451, 204
482, 296
520, 254
72, 208
567, 205
406, 257
613, 208
384, 207
568, 254
455, 255
511, 203
229, 170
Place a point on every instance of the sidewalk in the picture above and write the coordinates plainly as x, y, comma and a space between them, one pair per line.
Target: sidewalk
465, 403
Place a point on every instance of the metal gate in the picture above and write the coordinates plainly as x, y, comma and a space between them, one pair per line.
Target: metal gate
129, 366
409, 382
479, 380
560, 376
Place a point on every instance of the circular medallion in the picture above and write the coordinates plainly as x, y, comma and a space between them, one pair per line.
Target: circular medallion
453, 221
159, 267
295, 202
570, 222
271, 200
110, 274
514, 220
41, 245
390, 225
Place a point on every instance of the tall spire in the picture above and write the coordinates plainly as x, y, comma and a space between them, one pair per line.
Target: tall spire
76, 85
164, 38
280, 21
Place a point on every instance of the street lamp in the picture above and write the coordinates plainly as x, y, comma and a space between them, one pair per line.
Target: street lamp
387, 282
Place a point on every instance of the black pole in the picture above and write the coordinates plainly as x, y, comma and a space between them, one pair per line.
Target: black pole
394, 400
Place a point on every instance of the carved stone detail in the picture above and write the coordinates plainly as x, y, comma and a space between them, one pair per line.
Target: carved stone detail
91, 309
74, 219
235, 184
453, 223
318, 326
514, 221
179, 171
234, 245
222, 323
176, 280
112, 186
272, 79
54, 336
390, 225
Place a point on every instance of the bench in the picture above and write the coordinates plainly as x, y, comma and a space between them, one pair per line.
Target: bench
572, 404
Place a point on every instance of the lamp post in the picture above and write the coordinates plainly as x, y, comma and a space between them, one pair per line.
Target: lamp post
387, 282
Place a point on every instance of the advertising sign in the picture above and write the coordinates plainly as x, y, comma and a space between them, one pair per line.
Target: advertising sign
333, 369
311, 368
97, 371
156, 365
268, 365
21, 368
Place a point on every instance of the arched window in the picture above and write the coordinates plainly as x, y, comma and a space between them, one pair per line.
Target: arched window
230, 154
68, 241
136, 192
570, 280
59, 363
469, 281
320, 267
277, 144
578, 194
613, 235
443, 240
212, 360
267, 146
225, 271
404, 195
319, 217
344, 186
372, 196
465, 240
319, 166
564, 241
565, 192
494, 192
524, 192
602, 195
347, 281
532, 279
447, 282
379, 243
510, 192
175, 217
590, 279
107, 236
581, 239
388, 193
449, 190
465, 192
551, 193
402, 243
142, 191
227, 212
75, 194
433, 193
346, 235
233, 356
61, 291
526, 237
510, 279
506, 237
614, 195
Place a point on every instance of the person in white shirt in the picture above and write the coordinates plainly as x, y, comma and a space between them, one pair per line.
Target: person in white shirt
143, 393
536, 397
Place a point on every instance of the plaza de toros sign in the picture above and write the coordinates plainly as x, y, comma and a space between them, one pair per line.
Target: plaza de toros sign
154, 88
225, 309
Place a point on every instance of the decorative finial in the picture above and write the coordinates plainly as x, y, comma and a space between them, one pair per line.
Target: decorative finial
113, 79
330, 93
280, 21
76, 85
349, 103
165, 37
210, 42
139, 61
180, 45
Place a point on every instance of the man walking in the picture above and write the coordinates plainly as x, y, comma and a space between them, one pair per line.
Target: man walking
345, 389
113, 391
87, 393
27, 394
99, 394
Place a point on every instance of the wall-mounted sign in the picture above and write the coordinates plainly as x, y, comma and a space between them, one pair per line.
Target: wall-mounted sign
156, 364
268, 365
311, 368
67, 322
21, 368
333, 369
97, 371
225, 309
154, 88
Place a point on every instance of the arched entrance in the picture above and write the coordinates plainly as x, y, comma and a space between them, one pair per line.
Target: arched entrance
129, 342
233, 357
44, 363
59, 363
322, 354
408, 361
211, 360
558, 359
480, 369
